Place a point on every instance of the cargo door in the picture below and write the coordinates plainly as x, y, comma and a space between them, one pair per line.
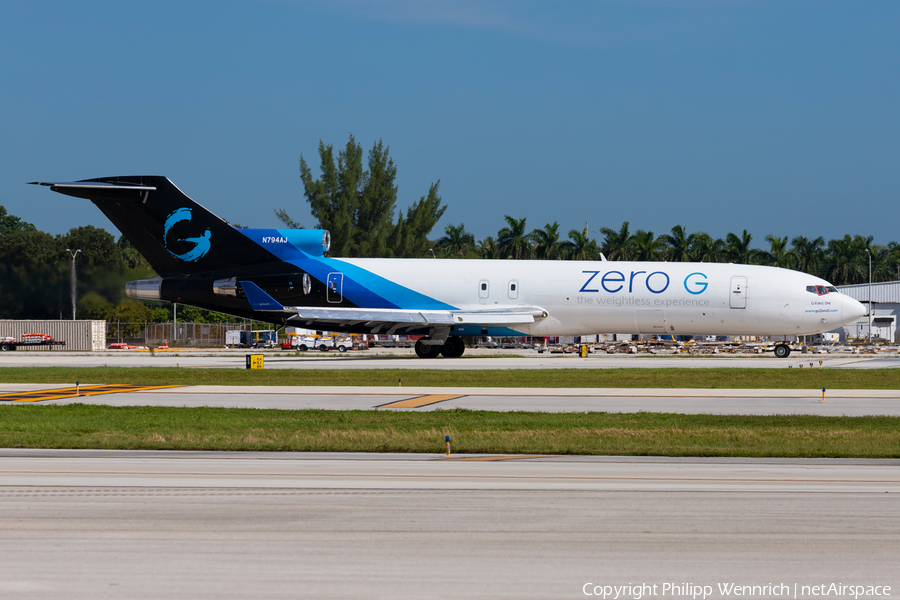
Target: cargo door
738, 296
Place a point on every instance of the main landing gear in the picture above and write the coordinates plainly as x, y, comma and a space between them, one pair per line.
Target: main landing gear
782, 351
452, 348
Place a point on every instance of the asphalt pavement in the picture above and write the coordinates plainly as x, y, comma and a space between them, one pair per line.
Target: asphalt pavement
108, 524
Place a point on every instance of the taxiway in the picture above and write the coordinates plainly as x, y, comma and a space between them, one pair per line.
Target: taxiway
107, 524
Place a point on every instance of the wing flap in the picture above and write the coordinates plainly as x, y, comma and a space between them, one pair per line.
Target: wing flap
394, 316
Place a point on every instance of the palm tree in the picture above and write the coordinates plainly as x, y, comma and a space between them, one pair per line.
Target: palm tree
679, 245
778, 254
645, 246
810, 254
546, 240
706, 249
848, 259
890, 262
615, 243
738, 249
457, 242
513, 241
580, 246
487, 248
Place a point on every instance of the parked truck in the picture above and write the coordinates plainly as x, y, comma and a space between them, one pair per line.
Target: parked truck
250, 339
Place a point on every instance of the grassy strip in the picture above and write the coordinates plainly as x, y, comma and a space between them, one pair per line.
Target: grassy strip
721, 378
160, 428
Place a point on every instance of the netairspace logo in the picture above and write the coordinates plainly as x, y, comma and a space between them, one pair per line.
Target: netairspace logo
201, 243
725, 590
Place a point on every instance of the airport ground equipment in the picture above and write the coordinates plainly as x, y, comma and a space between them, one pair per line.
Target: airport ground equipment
29, 340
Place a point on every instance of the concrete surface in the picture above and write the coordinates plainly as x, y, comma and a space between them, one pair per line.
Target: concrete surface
405, 359
106, 524
686, 401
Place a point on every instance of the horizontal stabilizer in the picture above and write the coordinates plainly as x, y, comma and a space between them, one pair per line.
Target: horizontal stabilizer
109, 191
259, 300
87, 185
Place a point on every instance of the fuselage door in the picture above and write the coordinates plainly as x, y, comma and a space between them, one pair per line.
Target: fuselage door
484, 290
651, 321
738, 296
335, 285
514, 289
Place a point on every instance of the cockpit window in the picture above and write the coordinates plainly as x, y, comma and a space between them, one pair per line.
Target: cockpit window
831, 288
820, 290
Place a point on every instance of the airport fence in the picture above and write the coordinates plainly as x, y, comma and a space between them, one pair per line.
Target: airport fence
194, 335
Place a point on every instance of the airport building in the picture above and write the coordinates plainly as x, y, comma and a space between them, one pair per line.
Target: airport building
885, 303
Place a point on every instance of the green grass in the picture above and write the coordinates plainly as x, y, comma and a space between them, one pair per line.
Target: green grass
720, 378
160, 428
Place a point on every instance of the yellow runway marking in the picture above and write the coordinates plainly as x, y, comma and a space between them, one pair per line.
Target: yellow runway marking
420, 401
493, 458
85, 390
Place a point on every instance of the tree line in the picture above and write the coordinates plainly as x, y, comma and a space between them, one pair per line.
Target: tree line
842, 261
35, 276
357, 206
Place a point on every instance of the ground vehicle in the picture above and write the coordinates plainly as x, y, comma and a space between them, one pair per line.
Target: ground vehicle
29, 340
351, 342
306, 339
250, 339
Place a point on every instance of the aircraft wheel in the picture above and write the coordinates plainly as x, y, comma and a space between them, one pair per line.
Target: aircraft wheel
453, 347
427, 351
782, 351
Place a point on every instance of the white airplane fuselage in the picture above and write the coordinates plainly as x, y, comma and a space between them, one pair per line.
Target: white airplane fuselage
586, 297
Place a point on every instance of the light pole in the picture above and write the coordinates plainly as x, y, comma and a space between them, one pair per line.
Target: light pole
74, 254
869, 341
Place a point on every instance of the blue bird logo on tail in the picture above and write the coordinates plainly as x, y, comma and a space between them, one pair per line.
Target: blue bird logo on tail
201, 244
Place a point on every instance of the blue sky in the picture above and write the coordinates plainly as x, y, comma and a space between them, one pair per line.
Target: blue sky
779, 117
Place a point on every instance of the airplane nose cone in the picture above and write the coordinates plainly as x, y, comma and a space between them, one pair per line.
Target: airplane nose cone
852, 309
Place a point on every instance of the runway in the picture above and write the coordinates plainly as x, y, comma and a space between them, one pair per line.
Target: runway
406, 359
107, 524
625, 400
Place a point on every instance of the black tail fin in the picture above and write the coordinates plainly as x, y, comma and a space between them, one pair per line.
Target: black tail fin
174, 233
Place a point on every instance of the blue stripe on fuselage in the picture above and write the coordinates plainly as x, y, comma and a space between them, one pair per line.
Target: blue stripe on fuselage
358, 285
358, 282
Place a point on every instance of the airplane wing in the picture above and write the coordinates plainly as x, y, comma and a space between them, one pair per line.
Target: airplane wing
382, 318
